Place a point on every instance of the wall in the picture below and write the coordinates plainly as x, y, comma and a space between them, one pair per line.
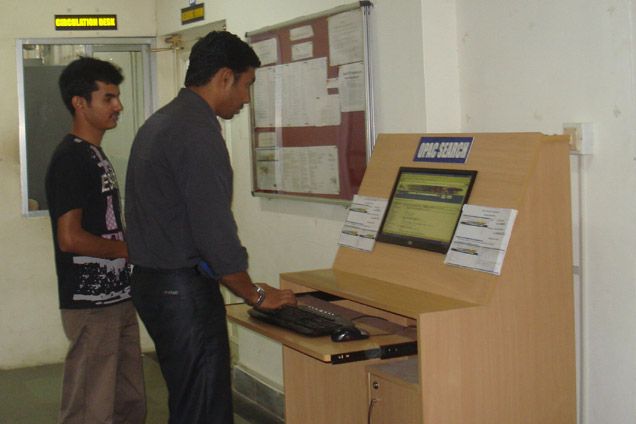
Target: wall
490, 66
30, 327
523, 65
531, 65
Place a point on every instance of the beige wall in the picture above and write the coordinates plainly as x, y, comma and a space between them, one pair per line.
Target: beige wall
441, 65
449, 65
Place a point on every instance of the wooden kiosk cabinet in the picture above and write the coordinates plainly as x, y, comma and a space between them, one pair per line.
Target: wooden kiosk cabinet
490, 349
394, 393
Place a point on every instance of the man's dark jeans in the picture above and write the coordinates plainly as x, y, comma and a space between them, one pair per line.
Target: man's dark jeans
184, 314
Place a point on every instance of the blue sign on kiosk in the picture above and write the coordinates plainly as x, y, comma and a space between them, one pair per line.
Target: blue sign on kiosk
443, 149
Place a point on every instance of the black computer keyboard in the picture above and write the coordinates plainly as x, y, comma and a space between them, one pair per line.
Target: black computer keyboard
303, 319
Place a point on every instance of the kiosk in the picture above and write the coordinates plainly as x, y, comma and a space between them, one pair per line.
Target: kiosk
490, 348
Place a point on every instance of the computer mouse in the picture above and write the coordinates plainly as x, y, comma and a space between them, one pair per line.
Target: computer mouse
345, 334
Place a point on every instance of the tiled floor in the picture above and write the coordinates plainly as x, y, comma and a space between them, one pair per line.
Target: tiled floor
31, 396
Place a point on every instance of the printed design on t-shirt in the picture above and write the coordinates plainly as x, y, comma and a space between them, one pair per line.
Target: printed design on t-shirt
109, 179
111, 221
102, 281
109, 184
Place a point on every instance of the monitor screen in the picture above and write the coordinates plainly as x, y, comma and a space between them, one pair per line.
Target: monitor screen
425, 206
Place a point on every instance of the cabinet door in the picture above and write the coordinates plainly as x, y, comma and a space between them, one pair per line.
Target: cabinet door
392, 403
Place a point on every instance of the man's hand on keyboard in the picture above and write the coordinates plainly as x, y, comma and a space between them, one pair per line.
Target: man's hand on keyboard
276, 298
241, 285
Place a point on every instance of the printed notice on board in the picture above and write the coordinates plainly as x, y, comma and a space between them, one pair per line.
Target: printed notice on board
351, 87
310, 169
481, 238
298, 169
345, 38
363, 222
267, 51
294, 95
300, 33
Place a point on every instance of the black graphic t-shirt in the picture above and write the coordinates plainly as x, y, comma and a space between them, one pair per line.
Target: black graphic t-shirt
80, 176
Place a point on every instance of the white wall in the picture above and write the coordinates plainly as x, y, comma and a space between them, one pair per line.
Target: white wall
30, 327
523, 65
531, 65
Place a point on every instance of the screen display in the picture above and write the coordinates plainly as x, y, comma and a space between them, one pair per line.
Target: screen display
425, 206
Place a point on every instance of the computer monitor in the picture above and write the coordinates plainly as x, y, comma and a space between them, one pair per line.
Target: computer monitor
425, 206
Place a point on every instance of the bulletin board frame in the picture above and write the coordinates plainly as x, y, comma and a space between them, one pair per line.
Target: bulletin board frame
311, 112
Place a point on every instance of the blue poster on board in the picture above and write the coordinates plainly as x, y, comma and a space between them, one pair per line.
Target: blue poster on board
443, 149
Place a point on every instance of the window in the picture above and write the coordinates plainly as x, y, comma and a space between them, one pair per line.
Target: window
44, 120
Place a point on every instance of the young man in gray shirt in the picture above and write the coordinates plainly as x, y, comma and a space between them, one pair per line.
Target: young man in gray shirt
180, 222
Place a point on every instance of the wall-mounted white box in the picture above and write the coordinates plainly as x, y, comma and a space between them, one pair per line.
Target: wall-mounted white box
581, 136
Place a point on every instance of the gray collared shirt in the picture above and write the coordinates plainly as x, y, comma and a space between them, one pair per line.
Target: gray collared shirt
179, 191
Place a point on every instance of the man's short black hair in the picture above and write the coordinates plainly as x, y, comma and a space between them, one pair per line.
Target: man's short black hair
218, 49
80, 78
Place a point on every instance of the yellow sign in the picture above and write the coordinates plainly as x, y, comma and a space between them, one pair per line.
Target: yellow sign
192, 14
85, 22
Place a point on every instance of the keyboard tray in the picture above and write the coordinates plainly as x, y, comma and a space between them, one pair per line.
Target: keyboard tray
387, 338
303, 319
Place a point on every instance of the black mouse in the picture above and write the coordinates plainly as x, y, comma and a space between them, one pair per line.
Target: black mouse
344, 334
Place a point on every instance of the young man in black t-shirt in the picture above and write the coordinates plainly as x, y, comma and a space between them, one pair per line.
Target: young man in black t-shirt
103, 376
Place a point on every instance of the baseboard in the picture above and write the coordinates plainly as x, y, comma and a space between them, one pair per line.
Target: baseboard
248, 387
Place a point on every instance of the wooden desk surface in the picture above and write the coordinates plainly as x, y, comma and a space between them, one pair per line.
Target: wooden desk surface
379, 294
322, 348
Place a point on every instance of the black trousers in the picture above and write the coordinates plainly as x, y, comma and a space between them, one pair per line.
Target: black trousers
184, 314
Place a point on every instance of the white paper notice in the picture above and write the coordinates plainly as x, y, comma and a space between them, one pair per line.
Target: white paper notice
292, 95
266, 176
267, 51
303, 83
481, 238
351, 87
363, 222
345, 38
265, 97
310, 170
267, 165
300, 33
328, 109
266, 139
302, 51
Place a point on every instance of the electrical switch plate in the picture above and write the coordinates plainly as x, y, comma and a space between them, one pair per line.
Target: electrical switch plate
581, 136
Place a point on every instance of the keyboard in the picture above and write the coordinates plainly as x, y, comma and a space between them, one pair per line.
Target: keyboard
303, 319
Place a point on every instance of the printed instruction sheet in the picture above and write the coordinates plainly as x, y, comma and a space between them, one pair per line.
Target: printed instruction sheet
481, 238
363, 222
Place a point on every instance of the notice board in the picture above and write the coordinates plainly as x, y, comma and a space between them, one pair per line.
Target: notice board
311, 108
